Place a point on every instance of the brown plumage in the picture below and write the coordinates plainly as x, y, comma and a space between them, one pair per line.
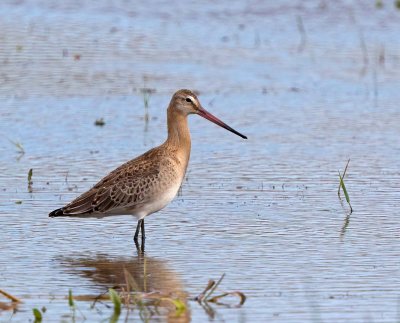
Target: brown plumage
146, 184
128, 186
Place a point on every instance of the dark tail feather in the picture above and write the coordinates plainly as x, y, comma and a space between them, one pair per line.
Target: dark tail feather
58, 212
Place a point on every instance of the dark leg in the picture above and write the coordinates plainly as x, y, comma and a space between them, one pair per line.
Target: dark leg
143, 235
138, 247
139, 227
135, 238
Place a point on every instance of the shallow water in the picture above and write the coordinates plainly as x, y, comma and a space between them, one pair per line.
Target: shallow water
263, 211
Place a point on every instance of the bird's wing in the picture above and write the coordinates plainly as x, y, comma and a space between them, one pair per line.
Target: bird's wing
126, 186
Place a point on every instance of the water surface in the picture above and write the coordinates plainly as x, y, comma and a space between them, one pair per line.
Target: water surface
311, 85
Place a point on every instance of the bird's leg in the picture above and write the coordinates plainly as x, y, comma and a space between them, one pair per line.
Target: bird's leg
139, 227
138, 247
135, 238
143, 235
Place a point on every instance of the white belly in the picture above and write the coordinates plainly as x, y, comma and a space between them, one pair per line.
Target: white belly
157, 202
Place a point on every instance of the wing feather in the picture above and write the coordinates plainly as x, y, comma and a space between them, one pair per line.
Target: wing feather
126, 186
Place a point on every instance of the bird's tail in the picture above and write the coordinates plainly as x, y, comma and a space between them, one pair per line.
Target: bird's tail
58, 212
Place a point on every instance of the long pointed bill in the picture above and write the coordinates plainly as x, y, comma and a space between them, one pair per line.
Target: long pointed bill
207, 115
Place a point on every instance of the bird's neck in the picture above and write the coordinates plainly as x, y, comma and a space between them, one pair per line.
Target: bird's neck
178, 134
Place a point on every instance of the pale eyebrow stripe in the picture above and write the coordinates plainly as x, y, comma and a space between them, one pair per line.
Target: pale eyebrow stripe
192, 98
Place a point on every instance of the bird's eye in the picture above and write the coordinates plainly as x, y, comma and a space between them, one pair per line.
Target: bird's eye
188, 100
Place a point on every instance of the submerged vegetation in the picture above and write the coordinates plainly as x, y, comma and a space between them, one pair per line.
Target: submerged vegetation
8, 306
379, 4
18, 145
146, 92
207, 297
30, 173
10, 297
129, 299
20, 148
99, 122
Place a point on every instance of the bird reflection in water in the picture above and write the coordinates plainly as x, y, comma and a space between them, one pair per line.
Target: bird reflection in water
152, 279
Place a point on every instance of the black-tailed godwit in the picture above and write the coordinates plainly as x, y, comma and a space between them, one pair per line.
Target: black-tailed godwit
146, 184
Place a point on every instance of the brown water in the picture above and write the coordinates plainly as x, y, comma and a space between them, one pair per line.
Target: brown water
311, 85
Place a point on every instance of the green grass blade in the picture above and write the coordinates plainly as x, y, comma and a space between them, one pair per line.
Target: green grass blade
344, 174
116, 301
345, 191
38, 315
70, 299
344, 188
30, 173
180, 307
